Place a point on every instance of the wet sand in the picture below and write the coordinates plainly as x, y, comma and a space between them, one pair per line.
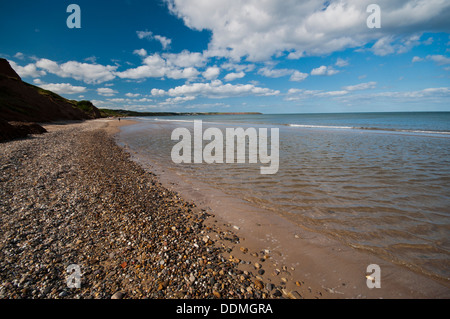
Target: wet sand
313, 264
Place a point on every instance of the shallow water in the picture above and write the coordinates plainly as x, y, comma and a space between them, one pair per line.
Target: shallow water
378, 182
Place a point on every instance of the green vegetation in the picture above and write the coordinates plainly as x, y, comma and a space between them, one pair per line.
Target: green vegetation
87, 107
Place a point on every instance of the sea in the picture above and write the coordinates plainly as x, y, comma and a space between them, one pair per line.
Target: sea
378, 182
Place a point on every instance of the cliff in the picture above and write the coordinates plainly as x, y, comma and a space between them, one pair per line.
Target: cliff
24, 102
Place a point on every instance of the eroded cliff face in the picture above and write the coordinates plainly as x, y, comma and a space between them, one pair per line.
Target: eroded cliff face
20, 101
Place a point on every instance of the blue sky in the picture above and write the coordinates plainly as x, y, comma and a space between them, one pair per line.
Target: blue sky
235, 56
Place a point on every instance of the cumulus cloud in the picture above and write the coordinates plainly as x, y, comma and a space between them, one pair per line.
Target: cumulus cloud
258, 30
140, 52
132, 94
61, 88
274, 73
29, 70
106, 91
324, 70
185, 59
211, 73
215, 89
19, 55
171, 65
165, 42
233, 76
298, 76
86, 72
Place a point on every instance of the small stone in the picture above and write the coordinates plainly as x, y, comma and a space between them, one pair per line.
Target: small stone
277, 293
270, 286
257, 265
244, 250
259, 284
298, 283
261, 271
294, 295
217, 294
118, 295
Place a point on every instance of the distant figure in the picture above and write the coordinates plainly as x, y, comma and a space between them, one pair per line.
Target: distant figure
119, 119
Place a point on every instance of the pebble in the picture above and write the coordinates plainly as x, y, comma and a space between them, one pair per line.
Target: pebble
294, 295
277, 293
78, 198
259, 284
117, 295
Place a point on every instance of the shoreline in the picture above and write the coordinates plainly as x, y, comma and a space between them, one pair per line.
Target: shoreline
324, 267
74, 196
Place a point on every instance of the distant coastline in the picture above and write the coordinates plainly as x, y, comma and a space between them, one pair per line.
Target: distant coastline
125, 113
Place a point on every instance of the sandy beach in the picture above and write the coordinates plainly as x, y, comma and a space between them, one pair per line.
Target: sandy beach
73, 196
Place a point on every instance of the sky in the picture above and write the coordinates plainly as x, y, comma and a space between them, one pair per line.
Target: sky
267, 56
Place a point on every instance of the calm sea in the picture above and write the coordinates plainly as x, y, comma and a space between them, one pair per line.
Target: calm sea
379, 182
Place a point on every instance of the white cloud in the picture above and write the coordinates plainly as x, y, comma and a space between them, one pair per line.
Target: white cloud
215, 89
186, 73
185, 59
140, 52
106, 91
298, 94
439, 59
61, 88
19, 55
144, 35
171, 65
211, 73
88, 73
165, 42
91, 59
361, 86
424, 93
29, 70
341, 62
257, 30
416, 59
324, 70
298, 76
238, 67
178, 99
132, 94
274, 73
233, 76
